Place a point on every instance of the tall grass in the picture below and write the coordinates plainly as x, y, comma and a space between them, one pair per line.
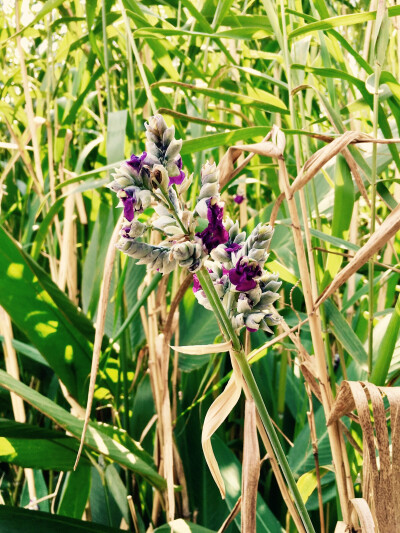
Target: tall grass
77, 83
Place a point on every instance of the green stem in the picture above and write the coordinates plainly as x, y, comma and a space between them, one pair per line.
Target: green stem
173, 211
373, 216
105, 53
230, 334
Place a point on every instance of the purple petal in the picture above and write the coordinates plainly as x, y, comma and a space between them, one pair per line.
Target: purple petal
136, 162
177, 180
129, 208
196, 283
215, 233
242, 276
238, 199
233, 247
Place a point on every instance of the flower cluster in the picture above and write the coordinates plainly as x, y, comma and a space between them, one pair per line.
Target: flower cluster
155, 181
245, 289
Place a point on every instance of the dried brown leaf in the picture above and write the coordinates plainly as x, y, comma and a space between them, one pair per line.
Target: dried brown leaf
384, 233
204, 349
250, 469
364, 514
380, 470
217, 413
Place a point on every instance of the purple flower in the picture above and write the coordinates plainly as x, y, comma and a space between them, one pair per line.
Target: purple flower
238, 199
244, 273
196, 283
177, 180
125, 231
129, 202
136, 162
215, 233
233, 247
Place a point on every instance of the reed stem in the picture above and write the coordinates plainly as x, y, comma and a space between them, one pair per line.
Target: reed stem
371, 298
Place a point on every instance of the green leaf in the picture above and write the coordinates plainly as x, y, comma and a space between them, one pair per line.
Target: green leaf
232, 472
95, 438
237, 34
75, 493
342, 214
197, 325
307, 483
45, 315
53, 450
345, 334
342, 20
116, 126
386, 348
265, 101
214, 140
301, 457
14, 520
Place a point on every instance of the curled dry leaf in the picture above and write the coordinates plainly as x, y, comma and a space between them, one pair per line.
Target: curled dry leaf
381, 475
364, 515
325, 154
217, 413
226, 167
203, 349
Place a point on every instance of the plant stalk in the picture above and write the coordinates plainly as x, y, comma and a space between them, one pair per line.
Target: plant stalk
371, 298
230, 334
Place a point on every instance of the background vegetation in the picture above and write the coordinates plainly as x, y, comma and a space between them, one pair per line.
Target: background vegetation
76, 85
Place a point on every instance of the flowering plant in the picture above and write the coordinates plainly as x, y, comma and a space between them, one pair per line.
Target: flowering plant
235, 263
228, 267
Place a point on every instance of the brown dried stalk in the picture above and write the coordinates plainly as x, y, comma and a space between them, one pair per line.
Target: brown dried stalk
381, 476
250, 469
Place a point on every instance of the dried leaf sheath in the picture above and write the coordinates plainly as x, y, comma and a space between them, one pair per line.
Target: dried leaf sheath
380, 475
250, 469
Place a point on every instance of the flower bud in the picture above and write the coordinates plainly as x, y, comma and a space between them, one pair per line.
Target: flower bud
173, 149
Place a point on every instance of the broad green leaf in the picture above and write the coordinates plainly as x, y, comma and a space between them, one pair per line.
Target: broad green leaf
341, 218
95, 438
53, 449
197, 325
75, 492
14, 520
45, 315
29, 351
231, 472
301, 457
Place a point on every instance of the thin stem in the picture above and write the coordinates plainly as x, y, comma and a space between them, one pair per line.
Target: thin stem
173, 211
105, 54
138, 60
230, 334
373, 216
